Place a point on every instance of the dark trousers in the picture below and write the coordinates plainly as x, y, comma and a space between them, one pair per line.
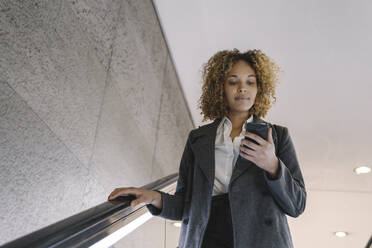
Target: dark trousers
219, 232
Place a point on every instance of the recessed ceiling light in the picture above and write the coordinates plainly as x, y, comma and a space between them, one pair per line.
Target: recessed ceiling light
362, 170
177, 224
341, 234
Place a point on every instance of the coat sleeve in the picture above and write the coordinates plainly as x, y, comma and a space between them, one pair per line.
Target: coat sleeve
173, 204
288, 188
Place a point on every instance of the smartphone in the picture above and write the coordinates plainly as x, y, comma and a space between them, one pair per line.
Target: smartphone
259, 129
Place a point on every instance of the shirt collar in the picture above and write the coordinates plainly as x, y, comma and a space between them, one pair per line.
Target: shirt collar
226, 123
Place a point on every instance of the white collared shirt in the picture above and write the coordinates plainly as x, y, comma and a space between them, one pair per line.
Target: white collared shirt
226, 154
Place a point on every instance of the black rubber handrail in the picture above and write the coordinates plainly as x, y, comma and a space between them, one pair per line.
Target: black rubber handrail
88, 227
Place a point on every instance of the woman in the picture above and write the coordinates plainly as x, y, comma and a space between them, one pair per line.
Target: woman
232, 192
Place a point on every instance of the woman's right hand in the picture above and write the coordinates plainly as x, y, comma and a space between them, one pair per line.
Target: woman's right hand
142, 196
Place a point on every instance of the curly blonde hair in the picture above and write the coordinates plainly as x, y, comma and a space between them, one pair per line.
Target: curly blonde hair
212, 101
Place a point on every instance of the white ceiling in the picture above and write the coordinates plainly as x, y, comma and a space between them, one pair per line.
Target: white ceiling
324, 49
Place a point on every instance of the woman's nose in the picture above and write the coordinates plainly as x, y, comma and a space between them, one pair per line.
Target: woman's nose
242, 90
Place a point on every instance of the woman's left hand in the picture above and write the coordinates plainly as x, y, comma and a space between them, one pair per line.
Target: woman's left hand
263, 155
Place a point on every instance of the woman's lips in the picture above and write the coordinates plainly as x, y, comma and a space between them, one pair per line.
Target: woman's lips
241, 98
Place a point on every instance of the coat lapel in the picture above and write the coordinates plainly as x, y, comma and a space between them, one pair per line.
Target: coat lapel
203, 146
242, 164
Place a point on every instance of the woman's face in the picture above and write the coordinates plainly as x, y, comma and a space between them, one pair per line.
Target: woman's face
240, 87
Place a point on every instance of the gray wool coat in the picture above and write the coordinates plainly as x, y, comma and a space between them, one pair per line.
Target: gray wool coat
259, 205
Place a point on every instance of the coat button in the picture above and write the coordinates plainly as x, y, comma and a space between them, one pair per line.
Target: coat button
268, 221
185, 221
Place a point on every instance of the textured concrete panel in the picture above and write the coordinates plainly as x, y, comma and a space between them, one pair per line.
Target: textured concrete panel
174, 126
136, 79
49, 61
41, 181
98, 20
147, 33
89, 101
123, 154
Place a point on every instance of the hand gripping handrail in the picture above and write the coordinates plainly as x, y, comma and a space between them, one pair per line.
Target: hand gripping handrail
87, 228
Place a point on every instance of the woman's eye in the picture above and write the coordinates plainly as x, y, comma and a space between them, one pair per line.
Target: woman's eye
250, 83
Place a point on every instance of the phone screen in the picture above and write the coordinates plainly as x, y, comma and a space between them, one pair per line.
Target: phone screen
259, 129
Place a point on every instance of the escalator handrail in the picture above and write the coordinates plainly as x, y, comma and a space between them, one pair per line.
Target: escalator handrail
86, 228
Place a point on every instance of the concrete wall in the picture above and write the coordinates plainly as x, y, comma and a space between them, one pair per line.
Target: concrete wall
89, 101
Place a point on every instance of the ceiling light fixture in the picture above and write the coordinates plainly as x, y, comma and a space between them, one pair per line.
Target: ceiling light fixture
177, 224
362, 170
341, 234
